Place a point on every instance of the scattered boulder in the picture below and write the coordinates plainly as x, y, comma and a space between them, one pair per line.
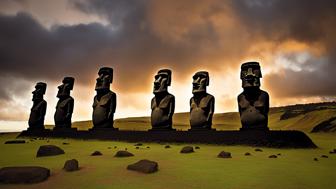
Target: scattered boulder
109, 148
332, 151
21, 175
137, 147
324, 156
147, 147
144, 166
167, 146
279, 154
197, 147
187, 149
49, 150
247, 154
224, 154
15, 142
71, 165
138, 144
272, 156
315, 159
96, 153
258, 150
115, 147
65, 143
122, 153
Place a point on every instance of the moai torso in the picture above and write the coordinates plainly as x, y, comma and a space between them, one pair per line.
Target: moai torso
253, 109
163, 103
201, 111
38, 111
63, 114
202, 104
65, 104
253, 103
105, 102
162, 111
103, 110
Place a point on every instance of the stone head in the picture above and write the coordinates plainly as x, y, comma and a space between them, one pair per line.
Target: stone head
40, 89
66, 87
200, 82
105, 79
250, 74
162, 81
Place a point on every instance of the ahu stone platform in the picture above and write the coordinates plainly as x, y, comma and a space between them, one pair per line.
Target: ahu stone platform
276, 139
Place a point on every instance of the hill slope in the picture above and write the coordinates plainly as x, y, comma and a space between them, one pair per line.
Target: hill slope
302, 117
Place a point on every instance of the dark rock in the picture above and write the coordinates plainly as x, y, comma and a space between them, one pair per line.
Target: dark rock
71, 165
49, 150
115, 147
332, 152
65, 143
137, 147
147, 147
122, 153
138, 144
109, 148
258, 150
144, 166
224, 154
197, 147
315, 159
279, 154
167, 146
187, 149
15, 142
96, 153
272, 156
26, 174
324, 156
247, 154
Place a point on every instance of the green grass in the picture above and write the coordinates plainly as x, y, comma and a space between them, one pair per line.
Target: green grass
294, 169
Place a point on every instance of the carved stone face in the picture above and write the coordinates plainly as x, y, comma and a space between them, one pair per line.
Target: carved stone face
40, 89
105, 79
250, 74
200, 81
162, 81
66, 87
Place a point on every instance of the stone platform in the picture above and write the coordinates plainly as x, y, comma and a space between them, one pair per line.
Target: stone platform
276, 139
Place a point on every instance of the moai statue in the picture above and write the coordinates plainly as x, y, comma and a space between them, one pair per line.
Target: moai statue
202, 104
163, 103
65, 104
38, 111
253, 103
104, 103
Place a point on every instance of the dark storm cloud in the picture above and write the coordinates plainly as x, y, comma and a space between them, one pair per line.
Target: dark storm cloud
310, 22
143, 35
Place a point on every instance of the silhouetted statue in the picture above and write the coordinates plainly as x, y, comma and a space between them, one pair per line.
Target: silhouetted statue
253, 103
163, 103
38, 111
104, 103
202, 104
65, 104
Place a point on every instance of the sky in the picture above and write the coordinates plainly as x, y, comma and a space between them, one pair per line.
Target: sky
46, 40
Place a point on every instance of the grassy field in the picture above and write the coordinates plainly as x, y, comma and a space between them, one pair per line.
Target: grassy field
293, 169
